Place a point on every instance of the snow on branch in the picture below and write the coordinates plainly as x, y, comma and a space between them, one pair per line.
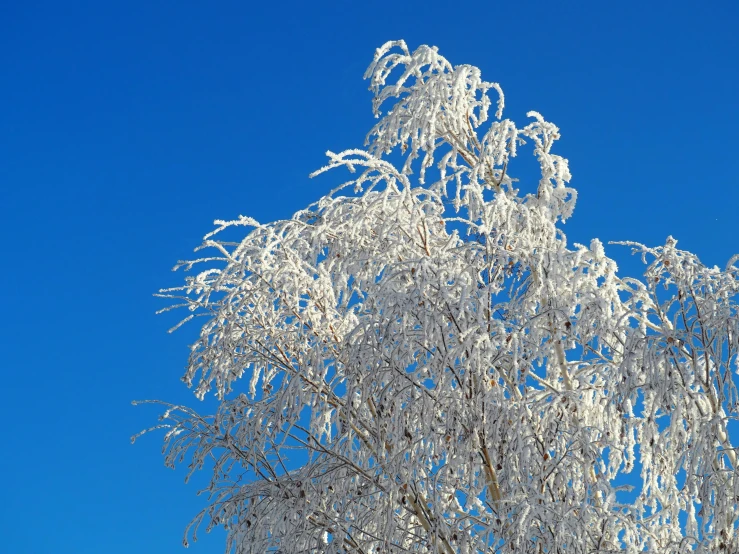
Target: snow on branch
413, 366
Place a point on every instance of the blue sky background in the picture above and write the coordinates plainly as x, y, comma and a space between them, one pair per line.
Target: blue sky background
126, 128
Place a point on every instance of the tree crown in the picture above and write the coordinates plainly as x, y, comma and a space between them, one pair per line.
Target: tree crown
432, 368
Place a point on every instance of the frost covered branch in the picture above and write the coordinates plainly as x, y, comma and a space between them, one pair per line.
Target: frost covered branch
432, 368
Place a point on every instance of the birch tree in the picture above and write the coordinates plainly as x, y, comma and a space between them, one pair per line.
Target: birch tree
421, 362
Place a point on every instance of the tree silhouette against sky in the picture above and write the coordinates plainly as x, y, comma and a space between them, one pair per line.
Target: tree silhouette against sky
420, 362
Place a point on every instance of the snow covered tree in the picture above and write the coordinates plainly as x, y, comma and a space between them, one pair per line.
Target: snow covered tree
432, 368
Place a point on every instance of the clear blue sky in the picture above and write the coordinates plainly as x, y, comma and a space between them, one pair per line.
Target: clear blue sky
127, 127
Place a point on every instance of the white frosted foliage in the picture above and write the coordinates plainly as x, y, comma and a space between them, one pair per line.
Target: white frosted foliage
420, 362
